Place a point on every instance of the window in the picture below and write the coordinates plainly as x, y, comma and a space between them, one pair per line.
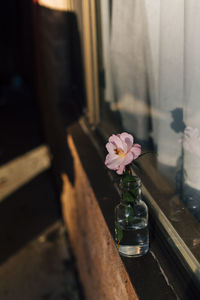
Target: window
149, 84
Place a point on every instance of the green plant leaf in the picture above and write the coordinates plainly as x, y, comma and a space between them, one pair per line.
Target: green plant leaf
128, 197
128, 178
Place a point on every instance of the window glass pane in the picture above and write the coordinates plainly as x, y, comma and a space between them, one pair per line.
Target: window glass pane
151, 62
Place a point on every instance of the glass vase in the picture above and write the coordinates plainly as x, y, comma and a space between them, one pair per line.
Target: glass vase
131, 220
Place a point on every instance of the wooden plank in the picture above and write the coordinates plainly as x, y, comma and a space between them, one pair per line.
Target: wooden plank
21, 170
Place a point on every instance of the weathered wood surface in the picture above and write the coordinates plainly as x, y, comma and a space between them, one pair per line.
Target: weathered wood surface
21, 170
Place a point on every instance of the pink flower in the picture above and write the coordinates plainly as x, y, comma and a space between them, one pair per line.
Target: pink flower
121, 151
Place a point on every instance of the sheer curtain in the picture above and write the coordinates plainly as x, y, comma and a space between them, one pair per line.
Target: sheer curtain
152, 63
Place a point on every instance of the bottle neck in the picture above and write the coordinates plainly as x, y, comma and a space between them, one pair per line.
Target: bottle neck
131, 190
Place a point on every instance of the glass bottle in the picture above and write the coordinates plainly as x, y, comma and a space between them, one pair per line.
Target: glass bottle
131, 220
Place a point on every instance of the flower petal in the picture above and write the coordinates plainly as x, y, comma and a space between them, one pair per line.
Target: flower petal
128, 159
116, 141
136, 150
121, 169
110, 147
127, 139
113, 162
110, 157
126, 136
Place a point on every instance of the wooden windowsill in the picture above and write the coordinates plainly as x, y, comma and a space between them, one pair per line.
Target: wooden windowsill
88, 208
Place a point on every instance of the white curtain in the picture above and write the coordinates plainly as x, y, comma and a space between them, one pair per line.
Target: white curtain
152, 64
